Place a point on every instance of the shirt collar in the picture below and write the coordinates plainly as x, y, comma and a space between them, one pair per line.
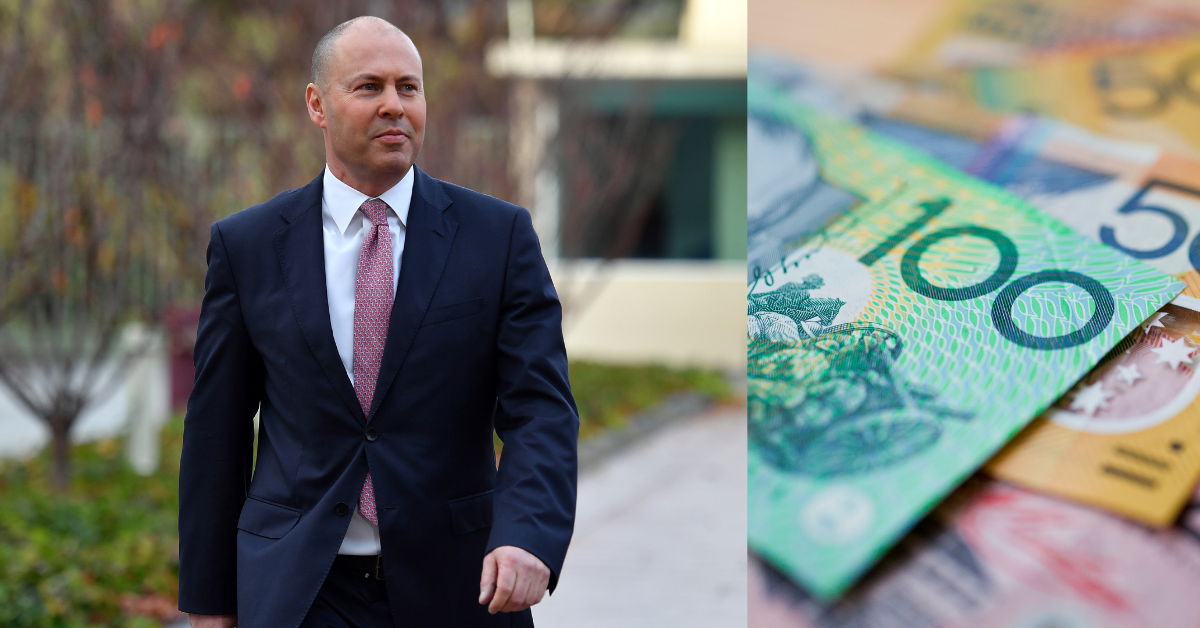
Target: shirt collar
343, 201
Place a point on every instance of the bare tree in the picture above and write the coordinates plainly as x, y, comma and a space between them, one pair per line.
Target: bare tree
613, 165
89, 246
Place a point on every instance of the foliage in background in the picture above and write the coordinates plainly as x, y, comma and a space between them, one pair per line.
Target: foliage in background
602, 19
607, 395
102, 554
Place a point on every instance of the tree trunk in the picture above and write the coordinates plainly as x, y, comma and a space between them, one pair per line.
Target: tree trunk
60, 429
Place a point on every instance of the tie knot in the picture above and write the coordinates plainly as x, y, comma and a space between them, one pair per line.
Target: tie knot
375, 210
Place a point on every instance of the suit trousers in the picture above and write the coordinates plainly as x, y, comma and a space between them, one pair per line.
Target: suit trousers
350, 597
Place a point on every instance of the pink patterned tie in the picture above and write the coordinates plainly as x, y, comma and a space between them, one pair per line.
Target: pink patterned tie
373, 295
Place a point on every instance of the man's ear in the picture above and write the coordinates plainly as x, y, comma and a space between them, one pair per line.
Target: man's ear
316, 105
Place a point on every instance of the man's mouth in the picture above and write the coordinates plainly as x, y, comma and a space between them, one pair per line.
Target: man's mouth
392, 136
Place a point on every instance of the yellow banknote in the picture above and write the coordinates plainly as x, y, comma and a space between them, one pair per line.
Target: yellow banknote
1127, 437
1151, 94
972, 33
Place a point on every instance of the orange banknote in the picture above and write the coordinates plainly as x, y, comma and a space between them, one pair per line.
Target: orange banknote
1127, 437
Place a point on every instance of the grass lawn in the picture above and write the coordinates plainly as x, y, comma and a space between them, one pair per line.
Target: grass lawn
104, 554
608, 395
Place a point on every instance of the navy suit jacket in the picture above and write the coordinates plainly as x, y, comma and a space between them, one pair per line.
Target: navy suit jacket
474, 342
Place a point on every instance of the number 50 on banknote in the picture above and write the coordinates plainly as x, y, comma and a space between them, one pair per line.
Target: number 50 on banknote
896, 348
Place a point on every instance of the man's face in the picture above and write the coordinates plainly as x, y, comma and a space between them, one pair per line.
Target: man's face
372, 105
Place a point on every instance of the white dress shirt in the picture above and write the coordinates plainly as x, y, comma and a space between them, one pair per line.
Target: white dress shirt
342, 230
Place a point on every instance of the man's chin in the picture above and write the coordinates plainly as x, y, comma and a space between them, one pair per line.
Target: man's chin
392, 162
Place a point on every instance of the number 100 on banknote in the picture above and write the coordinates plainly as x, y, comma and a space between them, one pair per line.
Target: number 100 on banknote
893, 350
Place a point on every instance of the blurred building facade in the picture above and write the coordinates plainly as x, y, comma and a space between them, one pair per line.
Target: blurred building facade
649, 263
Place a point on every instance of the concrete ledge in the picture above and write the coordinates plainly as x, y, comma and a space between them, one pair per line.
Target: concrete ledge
676, 313
594, 451
542, 59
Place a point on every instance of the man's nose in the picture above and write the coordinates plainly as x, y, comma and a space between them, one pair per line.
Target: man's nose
392, 106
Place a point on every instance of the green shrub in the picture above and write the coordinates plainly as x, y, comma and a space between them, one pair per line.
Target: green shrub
607, 395
70, 560
104, 554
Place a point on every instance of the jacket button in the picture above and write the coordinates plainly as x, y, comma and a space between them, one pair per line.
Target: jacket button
341, 509
372, 434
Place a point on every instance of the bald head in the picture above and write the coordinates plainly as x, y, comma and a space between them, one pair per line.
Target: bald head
324, 52
368, 97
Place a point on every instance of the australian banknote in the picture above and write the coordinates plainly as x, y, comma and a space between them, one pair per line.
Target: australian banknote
1127, 437
1137, 197
1139, 459
1149, 94
1145, 202
900, 338
997, 556
973, 33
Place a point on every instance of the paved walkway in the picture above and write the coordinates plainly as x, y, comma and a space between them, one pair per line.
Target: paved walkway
660, 534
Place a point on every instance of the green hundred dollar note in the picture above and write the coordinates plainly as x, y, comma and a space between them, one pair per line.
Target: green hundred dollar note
895, 348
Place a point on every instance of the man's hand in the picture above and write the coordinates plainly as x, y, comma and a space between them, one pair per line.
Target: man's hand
212, 621
513, 580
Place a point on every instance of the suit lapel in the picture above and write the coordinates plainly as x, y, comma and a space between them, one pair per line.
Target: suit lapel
427, 240
301, 251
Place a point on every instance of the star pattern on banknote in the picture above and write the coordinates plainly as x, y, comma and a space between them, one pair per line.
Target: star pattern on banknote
1154, 321
1174, 353
1128, 373
1091, 399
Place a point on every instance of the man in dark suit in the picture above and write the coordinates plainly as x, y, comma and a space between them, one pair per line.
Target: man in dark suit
381, 322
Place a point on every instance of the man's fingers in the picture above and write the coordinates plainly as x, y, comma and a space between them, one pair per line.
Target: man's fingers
487, 580
539, 590
537, 586
530, 580
519, 600
506, 578
512, 580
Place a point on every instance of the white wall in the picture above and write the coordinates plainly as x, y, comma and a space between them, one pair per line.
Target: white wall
137, 408
680, 313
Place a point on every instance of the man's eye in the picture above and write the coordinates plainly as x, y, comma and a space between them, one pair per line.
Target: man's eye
369, 86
